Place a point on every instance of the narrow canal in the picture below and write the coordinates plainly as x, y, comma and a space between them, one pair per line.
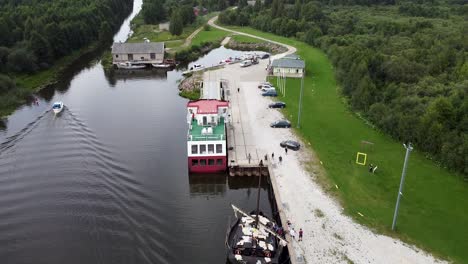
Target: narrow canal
106, 181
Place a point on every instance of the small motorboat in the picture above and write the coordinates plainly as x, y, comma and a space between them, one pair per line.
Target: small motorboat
129, 66
161, 65
57, 107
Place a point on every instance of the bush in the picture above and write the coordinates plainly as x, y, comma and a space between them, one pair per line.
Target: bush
6, 84
206, 27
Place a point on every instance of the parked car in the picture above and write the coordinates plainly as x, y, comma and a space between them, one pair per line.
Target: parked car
265, 56
290, 144
246, 63
277, 105
281, 124
265, 86
262, 84
270, 92
264, 89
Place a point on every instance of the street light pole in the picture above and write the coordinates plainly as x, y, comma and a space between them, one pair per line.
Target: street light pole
300, 99
408, 148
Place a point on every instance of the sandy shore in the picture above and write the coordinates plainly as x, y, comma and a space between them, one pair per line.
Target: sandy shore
329, 235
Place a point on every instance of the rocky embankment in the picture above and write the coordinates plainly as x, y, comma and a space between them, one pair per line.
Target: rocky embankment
190, 86
262, 46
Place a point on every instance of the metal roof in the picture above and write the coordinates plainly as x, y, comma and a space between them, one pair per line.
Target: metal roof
288, 63
292, 56
145, 47
207, 106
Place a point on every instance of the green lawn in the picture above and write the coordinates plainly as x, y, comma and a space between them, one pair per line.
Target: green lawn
433, 211
208, 36
246, 39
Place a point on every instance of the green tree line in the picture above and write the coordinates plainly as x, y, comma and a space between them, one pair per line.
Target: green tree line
402, 64
36, 33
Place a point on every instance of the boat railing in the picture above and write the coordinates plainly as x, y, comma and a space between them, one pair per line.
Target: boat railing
205, 137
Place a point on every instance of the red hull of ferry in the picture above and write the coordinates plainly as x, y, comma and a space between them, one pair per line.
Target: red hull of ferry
204, 165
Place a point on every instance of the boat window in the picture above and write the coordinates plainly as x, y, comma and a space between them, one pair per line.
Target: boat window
153, 56
219, 162
203, 162
210, 148
195, 162
116, 55
219, 148
202, 149
194, 149
211, 162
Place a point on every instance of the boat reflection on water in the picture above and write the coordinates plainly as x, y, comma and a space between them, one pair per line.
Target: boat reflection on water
207, 184
112, 76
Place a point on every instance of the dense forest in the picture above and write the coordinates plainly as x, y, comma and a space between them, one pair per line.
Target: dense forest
36, 33
403, 65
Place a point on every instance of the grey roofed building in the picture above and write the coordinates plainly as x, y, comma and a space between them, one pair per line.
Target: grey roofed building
292, 56
289, 66
145, 47
288, 63
138, 53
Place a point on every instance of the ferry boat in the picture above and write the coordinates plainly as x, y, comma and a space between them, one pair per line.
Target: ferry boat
206, 137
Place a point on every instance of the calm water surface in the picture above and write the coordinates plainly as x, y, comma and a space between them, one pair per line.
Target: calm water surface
106, 181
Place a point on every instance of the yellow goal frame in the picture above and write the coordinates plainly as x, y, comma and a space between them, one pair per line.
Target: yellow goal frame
360, 154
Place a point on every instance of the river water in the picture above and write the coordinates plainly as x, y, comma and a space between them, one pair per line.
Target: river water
106, 181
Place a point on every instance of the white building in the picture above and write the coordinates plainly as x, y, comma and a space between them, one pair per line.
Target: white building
289, 66
138, 53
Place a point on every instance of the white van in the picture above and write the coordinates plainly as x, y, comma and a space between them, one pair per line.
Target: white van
246, 63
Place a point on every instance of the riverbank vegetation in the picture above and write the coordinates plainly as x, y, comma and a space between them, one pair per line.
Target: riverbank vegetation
190, 86
432, 213
39, 39
403, 66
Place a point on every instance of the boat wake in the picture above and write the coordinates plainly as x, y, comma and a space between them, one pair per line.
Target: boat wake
58, 182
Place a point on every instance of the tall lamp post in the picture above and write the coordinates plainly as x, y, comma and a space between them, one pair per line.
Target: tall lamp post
300, 99
408, 148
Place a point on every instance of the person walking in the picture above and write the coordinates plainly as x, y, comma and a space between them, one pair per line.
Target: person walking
249, 157
280, 159
266, 157
286, 151
292, 232
300, 234
272, 156
238, 89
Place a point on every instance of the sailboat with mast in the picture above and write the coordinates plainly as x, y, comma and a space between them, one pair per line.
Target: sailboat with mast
252, 238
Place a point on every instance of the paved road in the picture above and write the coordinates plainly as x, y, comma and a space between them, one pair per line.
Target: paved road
291, 49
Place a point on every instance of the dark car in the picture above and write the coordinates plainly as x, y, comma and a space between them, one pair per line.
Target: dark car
277, 105
290, 144
270, 93
265, 56
281, 123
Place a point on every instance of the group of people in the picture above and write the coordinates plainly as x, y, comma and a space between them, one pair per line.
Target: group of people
273, 156
292, 232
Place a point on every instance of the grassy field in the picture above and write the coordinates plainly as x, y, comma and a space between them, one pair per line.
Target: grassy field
208, 36
246, 39
433, 209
